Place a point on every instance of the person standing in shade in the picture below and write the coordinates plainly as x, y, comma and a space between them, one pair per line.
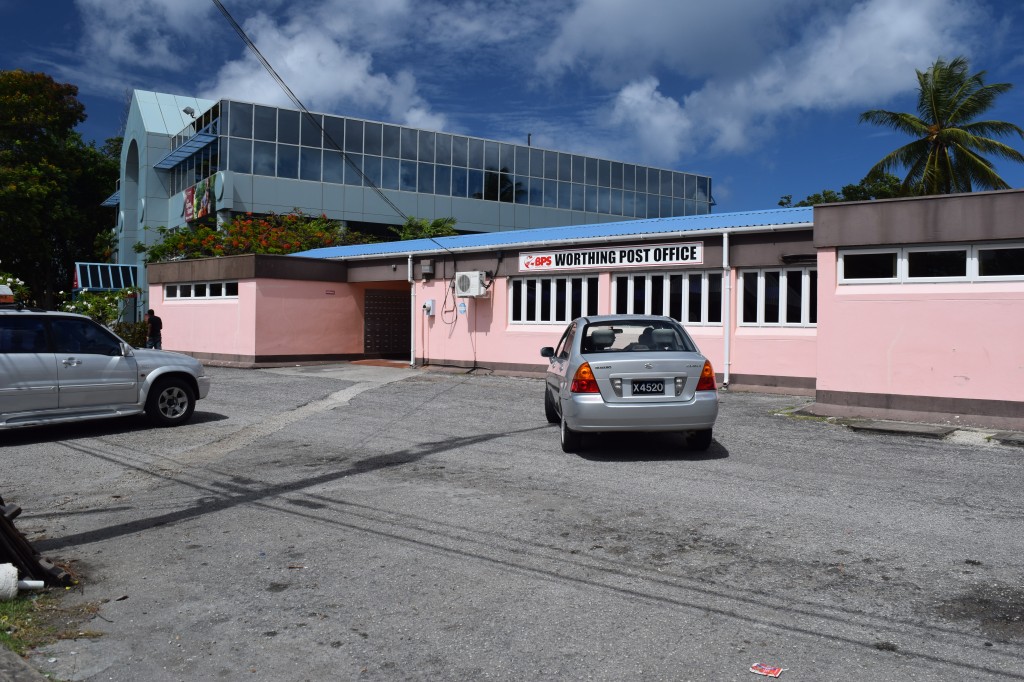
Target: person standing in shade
154, 328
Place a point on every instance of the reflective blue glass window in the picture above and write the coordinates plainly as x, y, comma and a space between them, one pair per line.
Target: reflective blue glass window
690, 190
507, 157
491, 156
522, 188
240, 155
334, 167
309, 163
536, 164
492, 180
409, 144
312, 133
666, 183
506, 187
390, 173
443, 180
265, 124
287, 161
334, 134
603, 200
629, 204
653, 181
425, 178
703, 208
591, 168
551, 193
565, 167
665, 206
577, 194
353, 136
476, 154
392, 141
616, 176
476, 183
604, 173
641, 205
522, 161
460, 180
353, 165
372, 138
653, 205
536, 191
288, 126
616, 208
591, 200
678, 206
564, 195
240, 120
426, 147
628, 176
371, 168
703, 189
460, 151
408, 176
579, 171
689, 207
550, 166
641, 179
678, 182
443, 147
264, 161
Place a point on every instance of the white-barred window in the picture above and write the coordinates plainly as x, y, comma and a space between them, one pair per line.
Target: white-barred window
201, 290
542, 300
693, 298
778, 297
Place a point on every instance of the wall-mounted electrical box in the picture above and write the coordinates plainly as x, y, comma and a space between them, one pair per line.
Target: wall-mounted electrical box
428, 308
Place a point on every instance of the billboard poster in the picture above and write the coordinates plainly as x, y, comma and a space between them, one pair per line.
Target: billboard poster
645, 256
200, 199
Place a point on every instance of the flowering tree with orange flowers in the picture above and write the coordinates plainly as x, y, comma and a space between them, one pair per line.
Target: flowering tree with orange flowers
267, 233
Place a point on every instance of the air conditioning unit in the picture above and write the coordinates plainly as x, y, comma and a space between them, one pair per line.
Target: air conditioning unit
470, 284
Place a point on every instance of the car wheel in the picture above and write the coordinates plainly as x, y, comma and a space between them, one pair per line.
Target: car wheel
549, 407
571, 440
170, 402
699, 440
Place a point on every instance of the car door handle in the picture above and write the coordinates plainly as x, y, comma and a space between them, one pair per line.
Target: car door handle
71, 362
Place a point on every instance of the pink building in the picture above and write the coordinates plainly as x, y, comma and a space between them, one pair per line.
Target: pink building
886, 308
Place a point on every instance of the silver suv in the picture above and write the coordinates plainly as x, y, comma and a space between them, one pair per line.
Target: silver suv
60, 367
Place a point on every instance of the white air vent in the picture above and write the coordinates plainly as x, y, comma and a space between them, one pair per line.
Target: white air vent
470, 284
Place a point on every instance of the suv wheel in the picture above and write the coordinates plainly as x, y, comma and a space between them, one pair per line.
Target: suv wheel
170, 402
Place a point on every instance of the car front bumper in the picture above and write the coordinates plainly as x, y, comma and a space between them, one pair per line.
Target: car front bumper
589, 412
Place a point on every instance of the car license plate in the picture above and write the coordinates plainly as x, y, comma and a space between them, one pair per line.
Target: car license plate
648, 388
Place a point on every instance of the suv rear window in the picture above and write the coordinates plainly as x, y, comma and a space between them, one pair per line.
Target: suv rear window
22, 334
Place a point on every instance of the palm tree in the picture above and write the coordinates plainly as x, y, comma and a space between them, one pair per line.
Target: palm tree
947, 156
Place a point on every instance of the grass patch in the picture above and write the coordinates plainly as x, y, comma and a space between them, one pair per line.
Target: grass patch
35, 619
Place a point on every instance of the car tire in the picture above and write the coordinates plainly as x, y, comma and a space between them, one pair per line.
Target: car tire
171, 402
549, 407
699, 440
572, 441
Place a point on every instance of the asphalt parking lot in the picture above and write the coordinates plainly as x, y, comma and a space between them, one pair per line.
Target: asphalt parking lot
359, 523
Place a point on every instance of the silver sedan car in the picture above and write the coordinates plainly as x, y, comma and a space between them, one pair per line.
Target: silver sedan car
629, 373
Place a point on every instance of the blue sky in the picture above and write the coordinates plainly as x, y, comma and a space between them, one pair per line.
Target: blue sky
762, 96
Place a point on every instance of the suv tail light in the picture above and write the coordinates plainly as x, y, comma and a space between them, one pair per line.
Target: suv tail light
583, 381
707, 378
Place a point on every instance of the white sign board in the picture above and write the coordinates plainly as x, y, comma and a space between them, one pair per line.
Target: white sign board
648, 255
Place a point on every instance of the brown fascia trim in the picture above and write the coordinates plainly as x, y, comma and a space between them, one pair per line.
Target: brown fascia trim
973, 217
248, 266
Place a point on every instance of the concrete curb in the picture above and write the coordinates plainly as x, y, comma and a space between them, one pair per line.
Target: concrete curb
13, 668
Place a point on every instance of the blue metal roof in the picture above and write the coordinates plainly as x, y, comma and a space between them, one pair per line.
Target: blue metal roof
537, 236
113, 200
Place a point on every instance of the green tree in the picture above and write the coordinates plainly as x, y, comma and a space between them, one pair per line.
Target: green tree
946, 156
875, 185
51, 183
421, 228
270, 233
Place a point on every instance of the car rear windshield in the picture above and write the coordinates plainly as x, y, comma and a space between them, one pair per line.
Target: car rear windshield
640, 337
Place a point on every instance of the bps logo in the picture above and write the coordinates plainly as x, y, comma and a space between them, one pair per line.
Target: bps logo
531, 262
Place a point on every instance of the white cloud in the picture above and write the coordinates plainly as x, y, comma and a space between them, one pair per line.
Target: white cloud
661, 128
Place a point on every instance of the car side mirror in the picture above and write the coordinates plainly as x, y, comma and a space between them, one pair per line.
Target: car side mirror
547, 352
126, 350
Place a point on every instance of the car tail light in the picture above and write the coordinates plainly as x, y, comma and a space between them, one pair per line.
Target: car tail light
707, 378
583, 381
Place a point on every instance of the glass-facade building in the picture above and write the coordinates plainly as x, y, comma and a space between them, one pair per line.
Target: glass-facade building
285, 144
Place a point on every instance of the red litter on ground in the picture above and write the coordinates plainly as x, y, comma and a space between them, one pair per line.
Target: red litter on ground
766, 670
